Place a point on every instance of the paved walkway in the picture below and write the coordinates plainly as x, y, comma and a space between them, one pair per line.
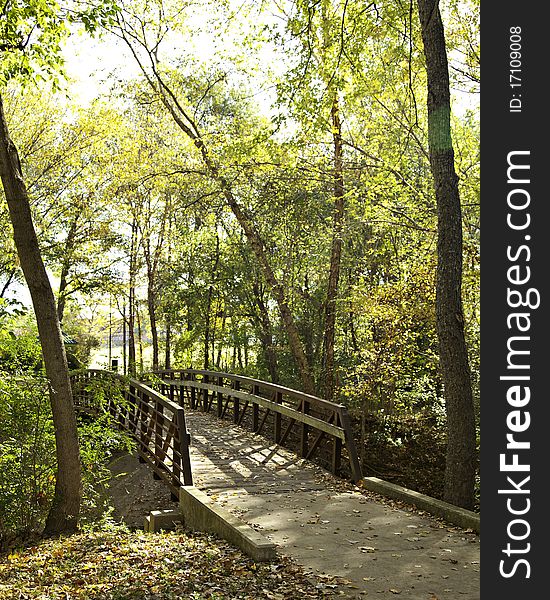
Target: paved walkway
361, 543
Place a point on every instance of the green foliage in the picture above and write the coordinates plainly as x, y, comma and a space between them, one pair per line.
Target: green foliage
20, 350
32, 31
27, 457
27, 454
395, 368
99, 441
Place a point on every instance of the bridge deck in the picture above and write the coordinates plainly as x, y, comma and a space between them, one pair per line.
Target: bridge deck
330, 527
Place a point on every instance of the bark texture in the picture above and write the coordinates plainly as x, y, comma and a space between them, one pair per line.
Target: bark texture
63, 515
455, 372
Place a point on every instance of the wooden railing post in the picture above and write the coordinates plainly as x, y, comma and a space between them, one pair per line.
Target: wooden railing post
205, 394
336, 448
356, 474
277, 425
184, 462
305, 431
219, 398
133, 416
255, 408
143, 415
159, 424
236, 402
193, 393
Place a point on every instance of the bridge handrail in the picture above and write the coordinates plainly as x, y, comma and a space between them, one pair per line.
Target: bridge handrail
265, 384
155, 422
331, 419
138, 385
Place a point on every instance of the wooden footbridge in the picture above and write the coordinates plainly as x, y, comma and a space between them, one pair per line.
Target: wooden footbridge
332, 528
153, 413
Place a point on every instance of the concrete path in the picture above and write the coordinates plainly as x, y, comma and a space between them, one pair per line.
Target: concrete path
361, 543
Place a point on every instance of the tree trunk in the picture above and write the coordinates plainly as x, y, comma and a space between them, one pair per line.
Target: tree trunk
221, 340
132, 302
335, 257
167, 356
266, 334
455, 372
152, 309
206, 339
9, 280
140, 340
63, 514
65, 268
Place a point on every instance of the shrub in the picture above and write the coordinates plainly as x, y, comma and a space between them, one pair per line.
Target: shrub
27, 458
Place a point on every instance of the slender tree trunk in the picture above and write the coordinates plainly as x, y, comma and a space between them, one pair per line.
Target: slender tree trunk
110, 343
461, 434
10, 278
124, 341
167, 355
132, 301
220, 343
140, 340
63, 515
208, 329
206, 339
336, 255
240, 356
65, 268
152, 309
266, 337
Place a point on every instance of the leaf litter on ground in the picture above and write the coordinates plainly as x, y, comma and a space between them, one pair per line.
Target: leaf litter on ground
127, 565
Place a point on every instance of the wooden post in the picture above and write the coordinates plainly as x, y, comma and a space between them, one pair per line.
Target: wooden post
336, 448
305, 431
255, 408
143, 410
236, 403
193, 396
219, 398
184, 463
205, 395
356, 474
277, 431
159, 418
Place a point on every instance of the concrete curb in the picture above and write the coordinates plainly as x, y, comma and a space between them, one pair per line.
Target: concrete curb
201, 513
454, 514
162, 519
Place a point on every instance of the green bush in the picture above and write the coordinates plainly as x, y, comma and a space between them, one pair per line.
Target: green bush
27, 455
27, 458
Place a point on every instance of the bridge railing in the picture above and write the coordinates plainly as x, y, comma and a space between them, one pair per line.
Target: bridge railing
156, 423
317, 429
